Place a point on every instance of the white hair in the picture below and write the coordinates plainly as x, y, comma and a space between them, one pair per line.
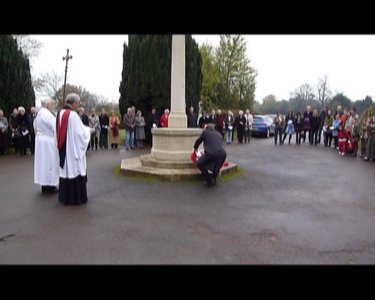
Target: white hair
72, 97
46, 101
21, 108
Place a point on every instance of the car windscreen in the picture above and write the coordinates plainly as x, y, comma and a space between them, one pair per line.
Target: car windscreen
258, 120
268, 119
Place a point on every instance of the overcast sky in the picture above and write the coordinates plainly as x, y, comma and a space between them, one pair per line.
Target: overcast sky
283, 62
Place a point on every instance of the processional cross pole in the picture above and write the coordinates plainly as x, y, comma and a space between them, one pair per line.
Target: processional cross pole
67, 57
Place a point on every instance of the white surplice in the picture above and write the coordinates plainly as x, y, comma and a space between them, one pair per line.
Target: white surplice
77, 140
46, 160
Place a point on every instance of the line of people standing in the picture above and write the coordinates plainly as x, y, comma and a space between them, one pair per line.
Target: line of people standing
18, 132
342, 128
308, 125
105, 129
226, 125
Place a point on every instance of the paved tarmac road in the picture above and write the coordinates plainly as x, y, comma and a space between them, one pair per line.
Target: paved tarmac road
290, 205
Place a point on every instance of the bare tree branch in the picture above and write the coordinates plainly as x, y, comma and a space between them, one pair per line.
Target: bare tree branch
29, 46
49, 84
323, 91
304, 93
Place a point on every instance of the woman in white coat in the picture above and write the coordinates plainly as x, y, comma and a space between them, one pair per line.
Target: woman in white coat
46, 163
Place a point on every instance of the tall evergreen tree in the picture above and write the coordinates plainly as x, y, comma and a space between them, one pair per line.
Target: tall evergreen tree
15, 79
146, 73
193, 73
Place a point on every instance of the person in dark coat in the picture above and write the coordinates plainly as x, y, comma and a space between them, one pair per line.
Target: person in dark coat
30, 119
203, 120
85, 119
211, 118
322, 118
191, 118
104, 125
153, 118
13, 130
4, 139
214, 154
279, 126
152, 122
306, 126
314, 127
298, 127
22, 124
240, 124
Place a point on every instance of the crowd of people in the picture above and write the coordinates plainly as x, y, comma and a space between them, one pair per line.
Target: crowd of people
62, 138
340, 130
137, 127
226, 125
18, 131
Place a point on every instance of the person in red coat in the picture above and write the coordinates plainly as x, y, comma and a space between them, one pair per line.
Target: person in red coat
343, 138
164, 118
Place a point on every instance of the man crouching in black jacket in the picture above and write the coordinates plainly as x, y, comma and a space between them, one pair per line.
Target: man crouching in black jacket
214, 154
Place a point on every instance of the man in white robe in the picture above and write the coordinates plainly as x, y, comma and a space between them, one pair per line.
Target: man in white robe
72, 140
46, 163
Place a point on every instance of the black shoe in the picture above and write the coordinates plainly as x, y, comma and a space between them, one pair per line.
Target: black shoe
211, 182
49, 189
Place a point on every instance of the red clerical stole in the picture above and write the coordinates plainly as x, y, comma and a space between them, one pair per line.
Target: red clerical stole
62, 128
